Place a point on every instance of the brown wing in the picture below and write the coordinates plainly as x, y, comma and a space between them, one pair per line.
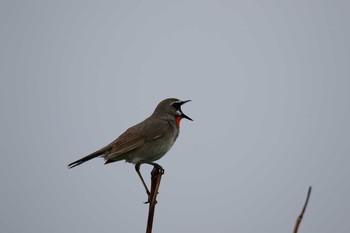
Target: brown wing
136, 137
125, 143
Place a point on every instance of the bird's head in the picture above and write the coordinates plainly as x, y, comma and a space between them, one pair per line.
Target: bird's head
172, 106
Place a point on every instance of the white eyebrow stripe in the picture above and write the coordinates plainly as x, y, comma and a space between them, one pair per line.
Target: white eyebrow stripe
178, 101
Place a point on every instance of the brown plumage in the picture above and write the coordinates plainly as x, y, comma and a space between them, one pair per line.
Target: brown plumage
147, 141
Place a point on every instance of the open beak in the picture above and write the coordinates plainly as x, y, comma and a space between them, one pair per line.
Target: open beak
183, 114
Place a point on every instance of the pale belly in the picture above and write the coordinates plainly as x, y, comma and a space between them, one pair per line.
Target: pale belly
150, 152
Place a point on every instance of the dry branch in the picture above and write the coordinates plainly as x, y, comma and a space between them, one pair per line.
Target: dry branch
300, 217
156, 176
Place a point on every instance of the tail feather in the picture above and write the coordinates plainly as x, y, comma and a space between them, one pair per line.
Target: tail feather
87, 158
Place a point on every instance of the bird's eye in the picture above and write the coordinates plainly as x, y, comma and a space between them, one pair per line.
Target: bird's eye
176, 104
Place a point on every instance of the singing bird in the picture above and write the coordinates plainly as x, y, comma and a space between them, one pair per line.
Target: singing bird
145, 142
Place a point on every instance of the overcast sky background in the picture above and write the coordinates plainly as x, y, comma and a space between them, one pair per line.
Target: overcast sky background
269, 83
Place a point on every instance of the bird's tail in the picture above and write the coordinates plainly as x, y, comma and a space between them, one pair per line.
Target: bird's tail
100, 152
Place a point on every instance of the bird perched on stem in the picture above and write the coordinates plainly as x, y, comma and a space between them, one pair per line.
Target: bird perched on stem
145, 142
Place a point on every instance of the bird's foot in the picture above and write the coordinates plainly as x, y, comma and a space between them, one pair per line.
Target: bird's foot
157, 169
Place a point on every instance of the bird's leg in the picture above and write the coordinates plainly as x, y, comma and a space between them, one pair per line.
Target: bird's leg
156, 175
137, 168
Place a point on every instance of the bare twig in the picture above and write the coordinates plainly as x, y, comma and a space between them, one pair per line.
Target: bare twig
156, 176
300, 217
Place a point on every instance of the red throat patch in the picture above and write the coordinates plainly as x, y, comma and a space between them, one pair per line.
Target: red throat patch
178, 120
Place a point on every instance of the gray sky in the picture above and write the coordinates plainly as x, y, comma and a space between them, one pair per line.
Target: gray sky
269, 82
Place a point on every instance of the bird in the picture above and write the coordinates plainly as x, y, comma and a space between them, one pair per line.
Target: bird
145, 142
